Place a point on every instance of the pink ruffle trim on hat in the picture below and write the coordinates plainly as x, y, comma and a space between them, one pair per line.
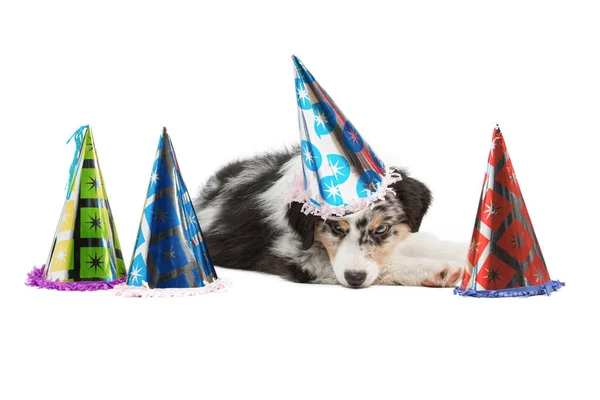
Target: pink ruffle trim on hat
125, 290
297, 193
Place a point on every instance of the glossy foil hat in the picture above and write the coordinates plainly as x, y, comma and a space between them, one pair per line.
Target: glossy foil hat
341, 172
504, 257
85, 252
170, 256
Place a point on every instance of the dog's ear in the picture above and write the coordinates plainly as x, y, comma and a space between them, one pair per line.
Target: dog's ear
415, 198
303, 224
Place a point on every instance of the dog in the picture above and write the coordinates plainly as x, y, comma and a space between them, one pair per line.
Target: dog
246, 225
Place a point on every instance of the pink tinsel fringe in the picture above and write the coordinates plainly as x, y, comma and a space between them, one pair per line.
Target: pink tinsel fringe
297, 193
125, 290
36, 278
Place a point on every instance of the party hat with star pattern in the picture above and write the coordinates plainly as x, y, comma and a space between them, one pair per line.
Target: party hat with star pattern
341, 172
85, 252
504, 257
170, 256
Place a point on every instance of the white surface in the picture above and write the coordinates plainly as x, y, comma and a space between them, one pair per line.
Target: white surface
424, 84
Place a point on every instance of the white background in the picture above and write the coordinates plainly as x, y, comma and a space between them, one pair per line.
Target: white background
424, 82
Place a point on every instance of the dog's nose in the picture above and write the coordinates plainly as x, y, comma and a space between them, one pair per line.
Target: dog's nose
354, 277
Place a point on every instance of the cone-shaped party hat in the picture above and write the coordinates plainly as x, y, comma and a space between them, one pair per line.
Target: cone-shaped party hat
341, 172
504, 257
85, 252
170, 256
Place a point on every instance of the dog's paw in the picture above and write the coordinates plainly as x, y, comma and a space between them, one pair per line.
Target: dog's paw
448, 274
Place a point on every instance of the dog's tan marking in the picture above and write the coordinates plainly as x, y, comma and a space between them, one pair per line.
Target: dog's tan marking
345, 225
328, 240
381, 254
375, 222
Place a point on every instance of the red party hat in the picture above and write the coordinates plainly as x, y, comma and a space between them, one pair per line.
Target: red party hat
504, 257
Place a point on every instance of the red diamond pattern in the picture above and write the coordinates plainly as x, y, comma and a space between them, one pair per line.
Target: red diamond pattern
537, 274
494, 209
516, 241
508, 178
465, 280
494, 274
476, 247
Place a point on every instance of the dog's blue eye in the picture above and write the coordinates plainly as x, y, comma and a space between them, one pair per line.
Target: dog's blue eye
338, 228
381, 229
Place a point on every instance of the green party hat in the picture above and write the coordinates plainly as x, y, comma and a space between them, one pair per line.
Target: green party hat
85, 252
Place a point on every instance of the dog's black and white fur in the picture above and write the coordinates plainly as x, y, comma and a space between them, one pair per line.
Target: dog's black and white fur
247, 225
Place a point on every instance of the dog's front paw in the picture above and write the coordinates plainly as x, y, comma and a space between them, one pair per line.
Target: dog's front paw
447, 275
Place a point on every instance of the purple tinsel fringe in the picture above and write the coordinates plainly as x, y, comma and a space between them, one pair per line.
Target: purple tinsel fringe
547, 288
36, 278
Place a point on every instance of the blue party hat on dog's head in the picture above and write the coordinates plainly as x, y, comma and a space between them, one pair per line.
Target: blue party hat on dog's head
170, 256
341, 172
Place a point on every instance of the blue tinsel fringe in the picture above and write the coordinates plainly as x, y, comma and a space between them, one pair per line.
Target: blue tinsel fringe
546, 288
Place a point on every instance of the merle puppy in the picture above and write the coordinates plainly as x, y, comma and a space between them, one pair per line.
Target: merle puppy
247, 226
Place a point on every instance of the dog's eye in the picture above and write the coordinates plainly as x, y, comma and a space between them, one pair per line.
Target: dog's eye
381, 229
338, 228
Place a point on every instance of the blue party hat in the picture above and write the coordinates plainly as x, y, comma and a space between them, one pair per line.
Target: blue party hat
341, 172
170, 252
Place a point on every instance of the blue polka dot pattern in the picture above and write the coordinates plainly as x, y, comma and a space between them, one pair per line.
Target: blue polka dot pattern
342, 174
352, 139
311, 156
368, 183
324, 118
340, 167
302, 95
330, 191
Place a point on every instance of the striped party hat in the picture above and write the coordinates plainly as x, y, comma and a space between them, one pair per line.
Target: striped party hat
85, 252
170, 256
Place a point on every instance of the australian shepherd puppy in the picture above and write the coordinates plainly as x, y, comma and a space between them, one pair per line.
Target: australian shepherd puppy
247, 226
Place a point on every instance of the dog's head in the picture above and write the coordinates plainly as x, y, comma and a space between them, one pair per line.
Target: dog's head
359, 245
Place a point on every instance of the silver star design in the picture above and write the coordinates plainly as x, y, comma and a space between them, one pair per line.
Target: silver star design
160, 215
191, 218
473, 247
134, 274
332, 191
321, 119
302, 94
154, 178
61, 255
336, 169
371, 187
308, 155
169, 255
353, 136
539, 276
491, 209
64, 217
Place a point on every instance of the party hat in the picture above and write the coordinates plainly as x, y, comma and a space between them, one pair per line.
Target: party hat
170, 256
341, 172
85, 252
504, 257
